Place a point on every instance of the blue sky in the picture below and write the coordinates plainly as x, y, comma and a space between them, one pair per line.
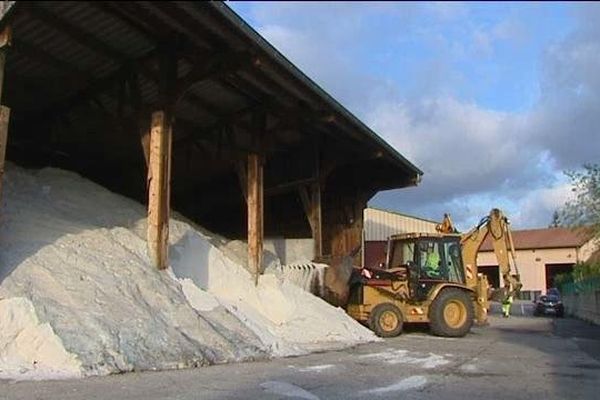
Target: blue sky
485, 97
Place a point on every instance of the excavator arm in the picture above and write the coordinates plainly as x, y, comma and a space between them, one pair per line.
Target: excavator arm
497, 226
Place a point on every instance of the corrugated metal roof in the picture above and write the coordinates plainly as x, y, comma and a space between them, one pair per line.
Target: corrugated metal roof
546, 238
381, 224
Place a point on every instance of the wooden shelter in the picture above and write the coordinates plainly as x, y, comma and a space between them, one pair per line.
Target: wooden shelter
185, 106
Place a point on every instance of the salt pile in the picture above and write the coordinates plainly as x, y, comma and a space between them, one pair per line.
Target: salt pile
73, 260
30, 349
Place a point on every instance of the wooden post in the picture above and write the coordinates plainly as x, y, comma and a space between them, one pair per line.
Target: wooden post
5, 39
255, 196
4, 118
316, 217
159, 189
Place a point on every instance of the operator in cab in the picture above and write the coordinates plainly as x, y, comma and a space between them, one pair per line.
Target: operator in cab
432, 260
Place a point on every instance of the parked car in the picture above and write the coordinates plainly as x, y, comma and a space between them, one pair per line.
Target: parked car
549, 304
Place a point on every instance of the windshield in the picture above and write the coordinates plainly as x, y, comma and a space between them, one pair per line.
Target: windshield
550, 298
453, 258
440, 259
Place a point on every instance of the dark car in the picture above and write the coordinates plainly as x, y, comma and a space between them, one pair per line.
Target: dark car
549, 304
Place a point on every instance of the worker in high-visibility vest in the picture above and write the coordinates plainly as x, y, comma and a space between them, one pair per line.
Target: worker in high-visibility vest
432, 261
506, 306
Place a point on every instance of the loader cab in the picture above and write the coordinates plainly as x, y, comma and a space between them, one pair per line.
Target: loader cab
430, 260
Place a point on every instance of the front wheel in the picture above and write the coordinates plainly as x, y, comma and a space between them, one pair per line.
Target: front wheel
451, 313
386, 320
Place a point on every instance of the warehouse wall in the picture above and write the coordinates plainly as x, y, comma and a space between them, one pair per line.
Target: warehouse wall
381, 224
532, 266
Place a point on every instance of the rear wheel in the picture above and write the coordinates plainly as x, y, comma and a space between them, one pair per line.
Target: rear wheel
386, 320
451, 313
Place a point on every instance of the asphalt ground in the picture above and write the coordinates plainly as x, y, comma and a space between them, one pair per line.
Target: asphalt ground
521, 357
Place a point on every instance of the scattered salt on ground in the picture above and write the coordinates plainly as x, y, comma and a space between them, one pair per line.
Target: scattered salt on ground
316, 368
469, 368
77, 252
30, 349
413, 382
287, 390
393, 356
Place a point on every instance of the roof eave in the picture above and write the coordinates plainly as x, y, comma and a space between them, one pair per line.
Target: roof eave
236, 20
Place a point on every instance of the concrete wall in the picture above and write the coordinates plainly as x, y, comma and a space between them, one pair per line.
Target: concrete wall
585, 306
532, 264
291, 250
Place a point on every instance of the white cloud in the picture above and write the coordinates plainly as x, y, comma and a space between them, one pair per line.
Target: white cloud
474, 158
537, 207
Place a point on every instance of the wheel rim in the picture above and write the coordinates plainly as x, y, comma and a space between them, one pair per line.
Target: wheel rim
388, 320
455, 314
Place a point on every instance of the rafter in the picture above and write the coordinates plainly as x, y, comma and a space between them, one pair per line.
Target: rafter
82, 36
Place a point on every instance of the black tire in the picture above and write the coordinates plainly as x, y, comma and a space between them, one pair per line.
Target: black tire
386, 320
451, 313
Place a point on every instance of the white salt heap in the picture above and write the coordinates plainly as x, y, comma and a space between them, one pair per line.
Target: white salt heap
78, 295
30, 349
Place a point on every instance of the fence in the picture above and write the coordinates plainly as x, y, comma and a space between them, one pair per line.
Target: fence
582, 298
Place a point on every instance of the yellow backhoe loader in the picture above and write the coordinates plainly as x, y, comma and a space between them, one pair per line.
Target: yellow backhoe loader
433, 278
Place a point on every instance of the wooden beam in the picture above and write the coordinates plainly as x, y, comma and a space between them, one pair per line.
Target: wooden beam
159, 189
4, 119
288, 186
213, 66
119, 10
74, 32
305, 200
187, 24
47, 58
96, 87
310, 197
316, 217
255, 214
5, 41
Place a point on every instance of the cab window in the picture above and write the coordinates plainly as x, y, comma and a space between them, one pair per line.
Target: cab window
402, 253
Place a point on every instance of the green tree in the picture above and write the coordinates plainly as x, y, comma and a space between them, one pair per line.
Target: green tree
555, 220
583, 210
